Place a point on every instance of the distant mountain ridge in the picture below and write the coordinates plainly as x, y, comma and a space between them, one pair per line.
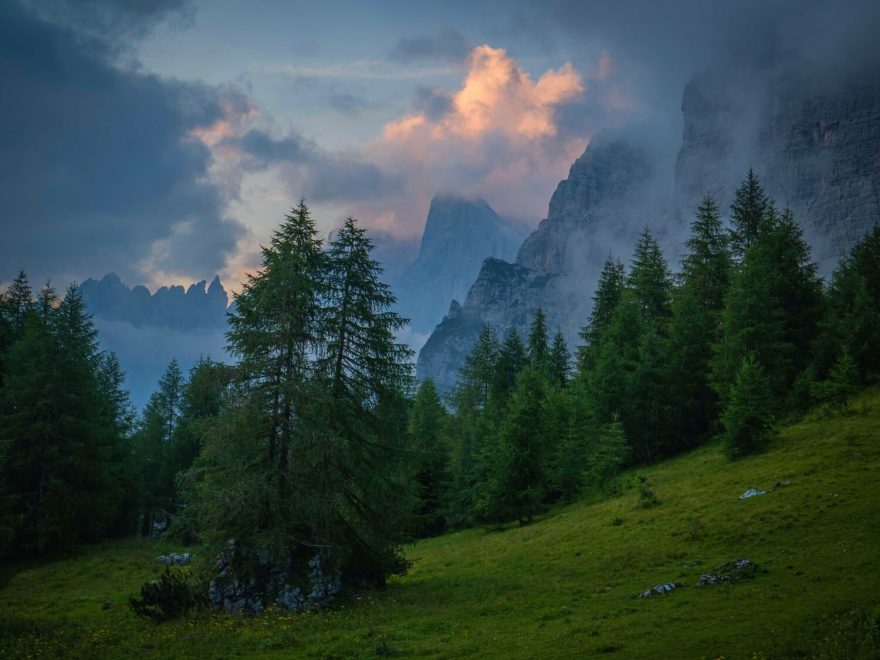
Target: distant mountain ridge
199, 306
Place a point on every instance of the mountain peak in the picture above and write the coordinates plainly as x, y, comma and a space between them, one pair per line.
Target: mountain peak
460, 233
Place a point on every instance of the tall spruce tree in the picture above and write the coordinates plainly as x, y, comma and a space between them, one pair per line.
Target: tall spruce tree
153, 448
60, 477
649, 279
647, 417
851, 320
747, 214
538, 347
308, 451
512, 359
749, 416
357, 503
605, 300
560, 361
694, 328
519, 479
427, 426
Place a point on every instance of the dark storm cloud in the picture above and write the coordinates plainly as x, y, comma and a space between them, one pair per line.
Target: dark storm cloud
318, 175
262, 149
97, 163
658, 46
445, 45
121, 23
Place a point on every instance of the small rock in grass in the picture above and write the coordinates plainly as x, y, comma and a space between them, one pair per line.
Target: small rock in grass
660, 589
752, 492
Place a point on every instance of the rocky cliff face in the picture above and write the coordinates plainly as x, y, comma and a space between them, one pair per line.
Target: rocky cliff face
814, 145
459, 235
589, 216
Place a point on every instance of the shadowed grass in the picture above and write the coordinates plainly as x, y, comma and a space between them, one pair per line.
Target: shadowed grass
565, 586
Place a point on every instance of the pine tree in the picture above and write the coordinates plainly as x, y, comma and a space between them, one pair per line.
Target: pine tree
608, 454
747, 214
605, 301
154, 452
519, 479
560, 361
842, 383
274, 330
694, 329
60, 471
361, 366
749, 415
510, 362
475, 378
18, 301
538, 349
852, 317
772, 309
431, 466
472, 424
649, 279
309, 448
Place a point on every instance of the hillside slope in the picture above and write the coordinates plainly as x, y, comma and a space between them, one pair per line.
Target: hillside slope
565, 586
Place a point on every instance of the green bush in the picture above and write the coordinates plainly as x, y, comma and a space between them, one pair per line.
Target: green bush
170, 597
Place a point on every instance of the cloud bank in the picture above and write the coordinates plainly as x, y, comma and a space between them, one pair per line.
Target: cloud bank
100, 169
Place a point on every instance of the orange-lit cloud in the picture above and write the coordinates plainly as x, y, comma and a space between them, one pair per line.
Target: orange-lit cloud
499, 138
497, 97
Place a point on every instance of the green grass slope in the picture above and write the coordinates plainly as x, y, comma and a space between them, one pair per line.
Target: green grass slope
566, 586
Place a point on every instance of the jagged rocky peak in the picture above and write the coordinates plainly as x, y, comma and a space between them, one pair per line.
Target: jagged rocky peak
599, 208
173, 306
599, 195
459, 235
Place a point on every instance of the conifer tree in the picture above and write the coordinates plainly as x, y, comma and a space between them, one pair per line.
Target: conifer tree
560, 360
18, 301
274, 329
519, 480
470, 398
749, 415
852, 317
842, 382
605, 300
60, 474
475, 377
308, 451
511, 361
608, 454
360, 367
649, 279
431, 467
694, 329
747, 214
154, 453
538, 349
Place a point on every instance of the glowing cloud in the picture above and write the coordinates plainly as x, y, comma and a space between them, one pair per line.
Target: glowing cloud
497, 97
499, 137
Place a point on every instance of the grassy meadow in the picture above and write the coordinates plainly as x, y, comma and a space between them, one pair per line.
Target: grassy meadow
565, 586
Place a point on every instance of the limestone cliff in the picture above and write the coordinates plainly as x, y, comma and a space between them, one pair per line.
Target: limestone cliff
814, 143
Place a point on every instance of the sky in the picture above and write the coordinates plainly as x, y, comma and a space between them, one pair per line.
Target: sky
164, 139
